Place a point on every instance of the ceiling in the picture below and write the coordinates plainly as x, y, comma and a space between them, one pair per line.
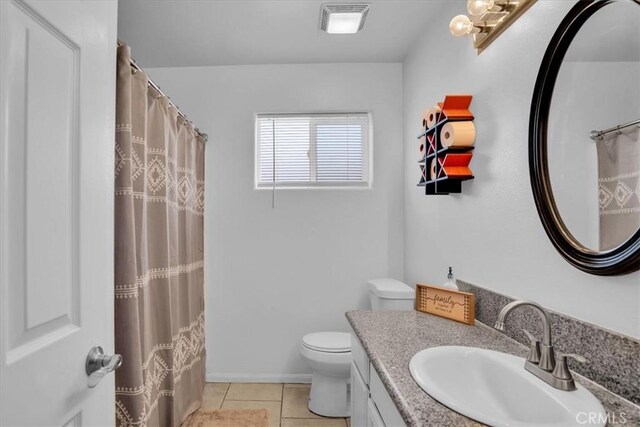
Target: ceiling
166, 33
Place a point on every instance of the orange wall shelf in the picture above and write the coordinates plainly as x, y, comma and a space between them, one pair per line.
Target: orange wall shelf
444, 168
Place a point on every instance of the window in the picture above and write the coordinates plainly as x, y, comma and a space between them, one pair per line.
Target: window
312, 150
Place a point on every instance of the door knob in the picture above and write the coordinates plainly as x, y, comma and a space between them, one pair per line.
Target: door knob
99, 364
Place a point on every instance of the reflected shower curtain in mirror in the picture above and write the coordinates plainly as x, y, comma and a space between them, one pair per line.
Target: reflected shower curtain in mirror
619, 187
159, 247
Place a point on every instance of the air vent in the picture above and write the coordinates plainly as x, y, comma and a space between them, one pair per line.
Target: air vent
343, 18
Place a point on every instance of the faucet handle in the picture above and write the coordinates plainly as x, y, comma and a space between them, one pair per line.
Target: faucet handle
561, 369
534, 349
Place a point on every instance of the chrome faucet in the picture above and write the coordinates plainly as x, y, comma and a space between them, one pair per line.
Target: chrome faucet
541, 361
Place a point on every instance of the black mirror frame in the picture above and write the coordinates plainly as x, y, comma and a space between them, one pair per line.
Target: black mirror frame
621, 260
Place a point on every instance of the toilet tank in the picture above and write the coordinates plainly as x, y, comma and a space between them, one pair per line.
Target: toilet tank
390, 294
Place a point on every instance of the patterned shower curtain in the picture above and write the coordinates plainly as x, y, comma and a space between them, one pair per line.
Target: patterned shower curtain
619, 187
159, 246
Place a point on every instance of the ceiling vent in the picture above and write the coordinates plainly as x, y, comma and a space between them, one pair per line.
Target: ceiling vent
343, 18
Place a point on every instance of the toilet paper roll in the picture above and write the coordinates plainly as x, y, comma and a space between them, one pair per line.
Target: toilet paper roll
458, 134
432, 169
423, 146
431, 116
423, 117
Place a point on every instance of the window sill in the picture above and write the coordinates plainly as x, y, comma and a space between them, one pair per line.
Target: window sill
366, 186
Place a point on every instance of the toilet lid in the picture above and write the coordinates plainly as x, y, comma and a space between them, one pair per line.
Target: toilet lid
328, 342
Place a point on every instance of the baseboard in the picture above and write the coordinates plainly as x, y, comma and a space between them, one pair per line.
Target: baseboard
214, 377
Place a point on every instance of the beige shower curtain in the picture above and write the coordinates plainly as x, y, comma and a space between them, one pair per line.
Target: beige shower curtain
159, 295
619, 187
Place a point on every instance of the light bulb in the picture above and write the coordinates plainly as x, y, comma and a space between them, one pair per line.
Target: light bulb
479, 7
460, 26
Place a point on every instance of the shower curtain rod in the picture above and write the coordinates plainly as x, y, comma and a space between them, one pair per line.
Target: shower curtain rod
597, 134
156, 87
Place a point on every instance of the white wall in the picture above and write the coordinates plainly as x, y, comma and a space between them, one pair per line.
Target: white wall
491, 233
273, 275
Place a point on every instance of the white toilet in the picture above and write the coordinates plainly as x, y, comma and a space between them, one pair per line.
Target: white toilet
329, 353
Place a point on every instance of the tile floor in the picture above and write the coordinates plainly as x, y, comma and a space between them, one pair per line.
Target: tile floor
286, 403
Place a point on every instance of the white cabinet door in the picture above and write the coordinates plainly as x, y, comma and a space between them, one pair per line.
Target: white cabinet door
375, 420
360, 357
386, 408
359, 398
57, 85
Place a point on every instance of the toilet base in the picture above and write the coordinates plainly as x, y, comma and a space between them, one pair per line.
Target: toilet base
329, 396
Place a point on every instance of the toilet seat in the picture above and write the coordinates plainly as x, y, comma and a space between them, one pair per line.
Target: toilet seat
328, 342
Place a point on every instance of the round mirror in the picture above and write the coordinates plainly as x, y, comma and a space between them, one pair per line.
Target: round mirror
585, 137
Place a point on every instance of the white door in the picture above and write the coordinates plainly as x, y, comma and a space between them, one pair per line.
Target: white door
57, 80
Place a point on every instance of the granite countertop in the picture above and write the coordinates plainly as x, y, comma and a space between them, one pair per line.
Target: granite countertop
391, 338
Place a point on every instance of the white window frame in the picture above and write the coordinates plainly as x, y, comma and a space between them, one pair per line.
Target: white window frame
367, 155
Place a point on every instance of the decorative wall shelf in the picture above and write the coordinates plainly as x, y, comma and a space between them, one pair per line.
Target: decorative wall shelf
446, 146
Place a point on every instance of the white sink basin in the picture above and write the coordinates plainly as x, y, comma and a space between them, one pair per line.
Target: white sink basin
494, 388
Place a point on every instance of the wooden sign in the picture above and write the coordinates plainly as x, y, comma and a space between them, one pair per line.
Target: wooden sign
443, 302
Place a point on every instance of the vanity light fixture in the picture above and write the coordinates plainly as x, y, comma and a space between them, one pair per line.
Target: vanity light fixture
343, 18
480, 7
461, 25
489, 18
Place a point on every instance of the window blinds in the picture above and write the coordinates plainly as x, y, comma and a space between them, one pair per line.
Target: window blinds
312, 150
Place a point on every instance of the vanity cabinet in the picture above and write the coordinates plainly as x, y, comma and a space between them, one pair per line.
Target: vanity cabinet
371, 405
373, 416
379, 396
359, 398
